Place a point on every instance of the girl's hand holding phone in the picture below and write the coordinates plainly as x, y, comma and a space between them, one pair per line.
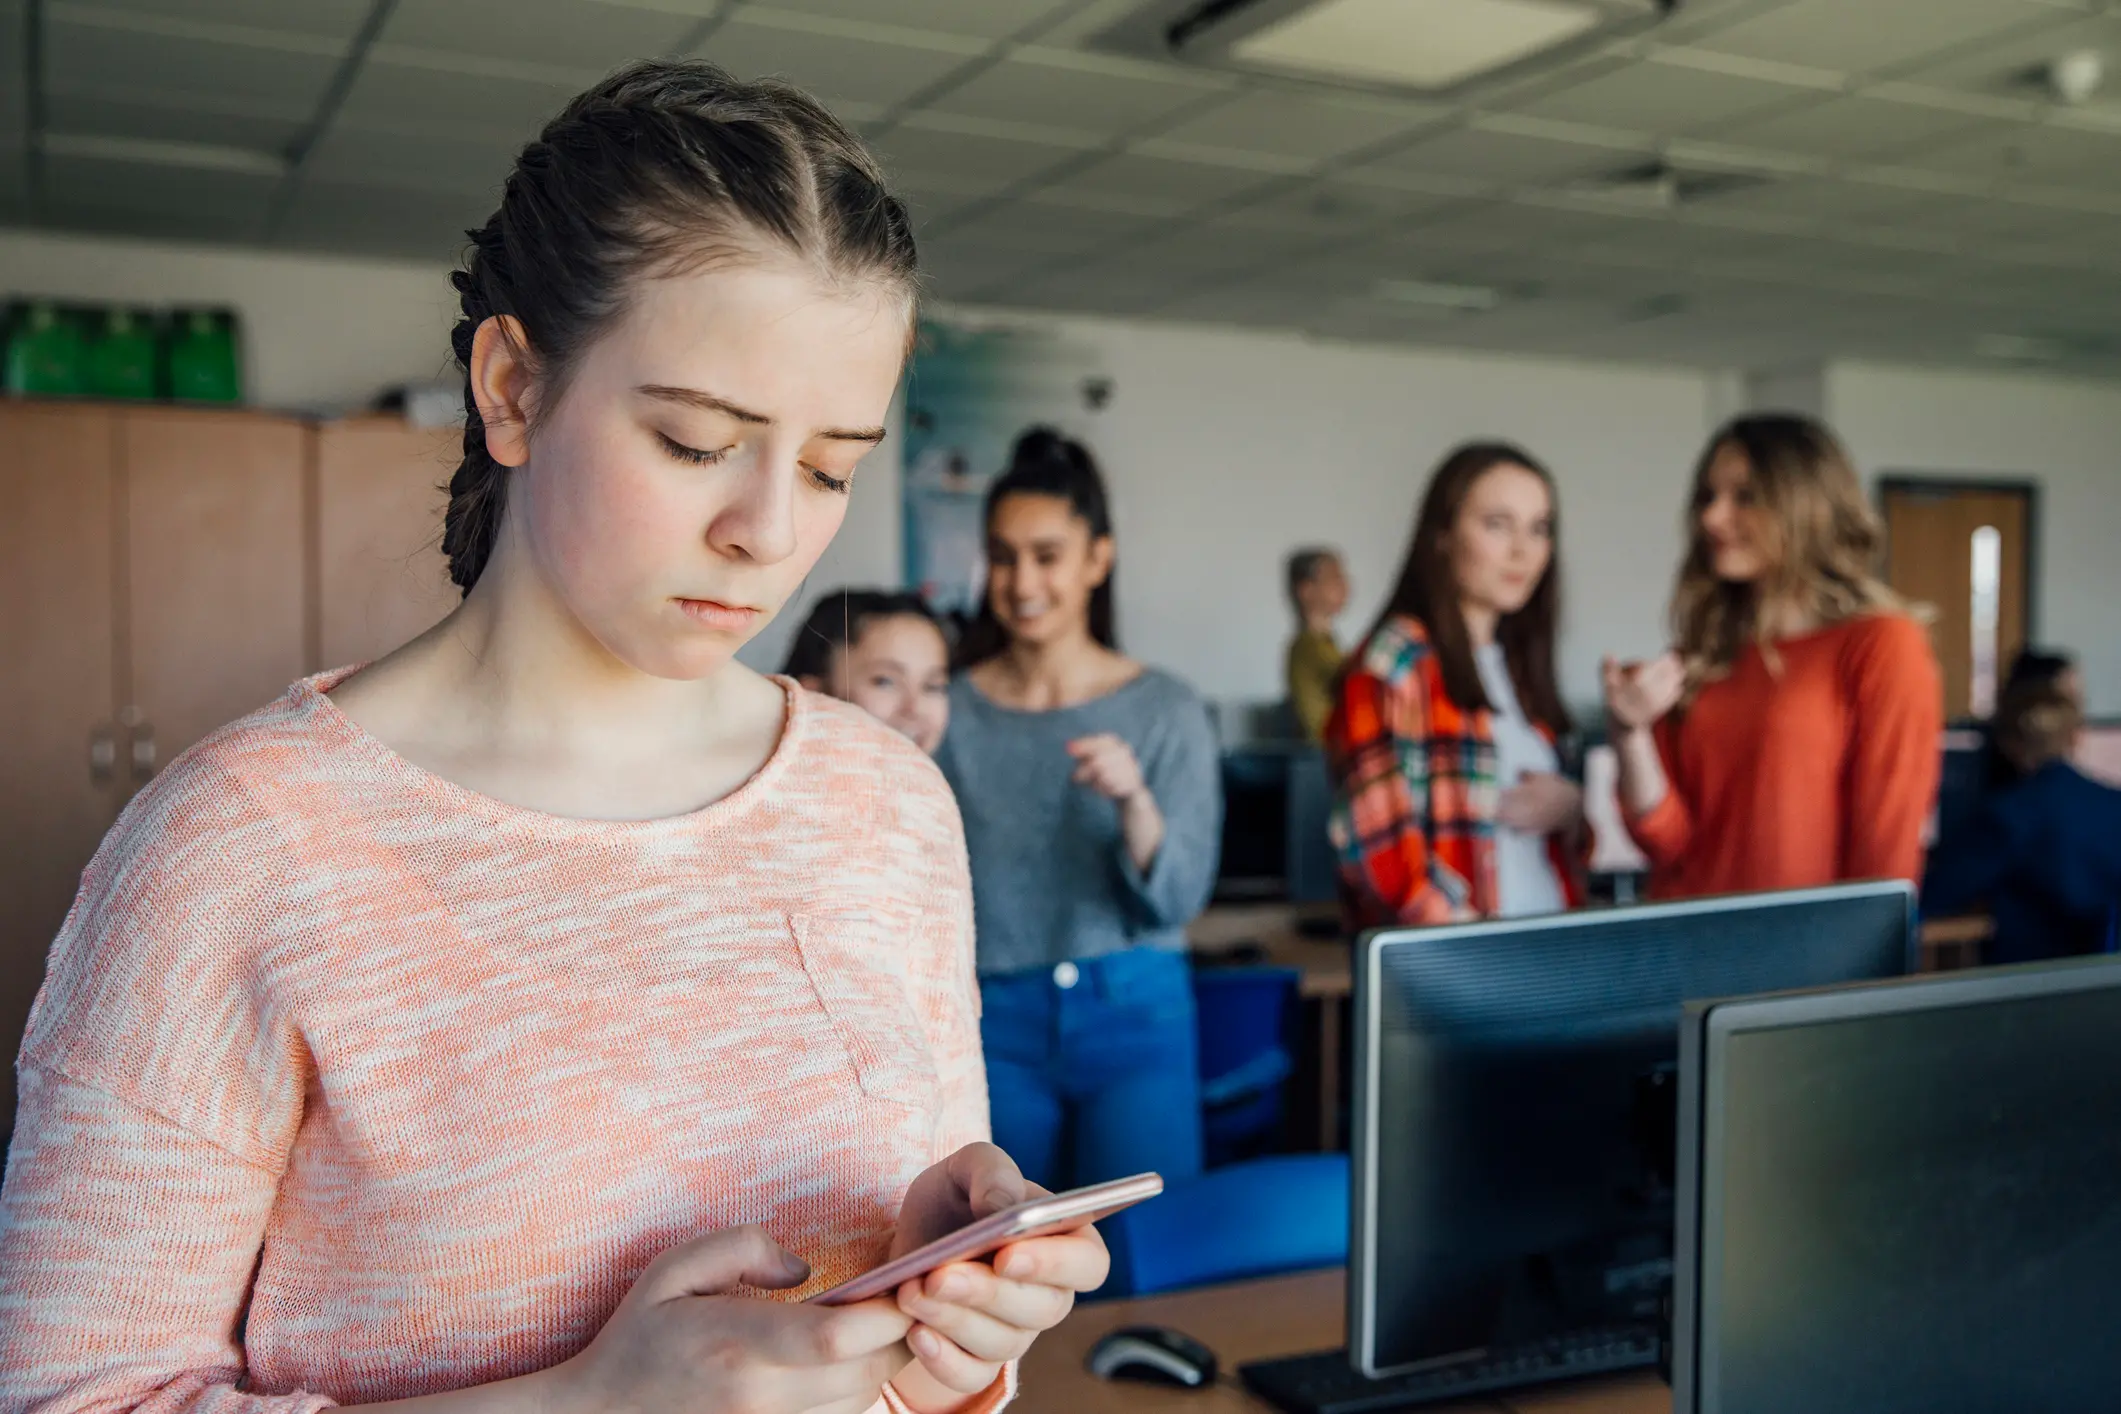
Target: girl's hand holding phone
680, 1341
970, 1318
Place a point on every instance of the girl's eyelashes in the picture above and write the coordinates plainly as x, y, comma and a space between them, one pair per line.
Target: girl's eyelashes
836, 484
690, 454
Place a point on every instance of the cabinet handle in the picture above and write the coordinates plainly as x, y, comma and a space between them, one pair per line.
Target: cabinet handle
102, 754
143, 751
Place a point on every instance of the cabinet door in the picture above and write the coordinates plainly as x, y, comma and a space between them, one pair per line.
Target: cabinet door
59, 785
213, 570
381, 578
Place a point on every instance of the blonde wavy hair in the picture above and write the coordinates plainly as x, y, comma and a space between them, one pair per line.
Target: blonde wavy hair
1818, 533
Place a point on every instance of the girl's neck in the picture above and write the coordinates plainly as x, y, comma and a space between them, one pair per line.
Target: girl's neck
1480, 623
1778, 617
1040, 677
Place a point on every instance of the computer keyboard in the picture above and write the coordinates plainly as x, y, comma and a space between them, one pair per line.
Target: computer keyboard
1325, 1383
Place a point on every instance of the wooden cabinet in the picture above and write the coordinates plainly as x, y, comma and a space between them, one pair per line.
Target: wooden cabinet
380, 575
164, 571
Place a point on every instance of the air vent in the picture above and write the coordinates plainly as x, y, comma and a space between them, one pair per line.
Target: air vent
1661, 186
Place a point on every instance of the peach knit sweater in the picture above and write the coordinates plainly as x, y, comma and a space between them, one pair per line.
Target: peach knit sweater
347, 1084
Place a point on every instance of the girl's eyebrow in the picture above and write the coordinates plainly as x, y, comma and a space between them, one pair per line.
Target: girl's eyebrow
708, 402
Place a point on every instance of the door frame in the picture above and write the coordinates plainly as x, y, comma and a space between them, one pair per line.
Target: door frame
2028, 487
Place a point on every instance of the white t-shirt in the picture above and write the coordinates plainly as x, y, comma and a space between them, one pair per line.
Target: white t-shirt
1525, 881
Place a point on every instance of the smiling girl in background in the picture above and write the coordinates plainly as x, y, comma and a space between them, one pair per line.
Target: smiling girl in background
882, 650
487, 1028
1449, 800
1092, 797
1794, 734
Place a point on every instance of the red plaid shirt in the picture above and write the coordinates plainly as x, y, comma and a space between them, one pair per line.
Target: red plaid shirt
1414, 790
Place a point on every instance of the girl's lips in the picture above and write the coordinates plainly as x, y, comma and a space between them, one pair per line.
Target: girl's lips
712, 613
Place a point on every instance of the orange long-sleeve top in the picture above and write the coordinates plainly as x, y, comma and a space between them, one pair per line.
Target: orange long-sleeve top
1823, 771
347, 1084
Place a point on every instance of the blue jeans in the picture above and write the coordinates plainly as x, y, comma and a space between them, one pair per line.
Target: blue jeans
1099, 1079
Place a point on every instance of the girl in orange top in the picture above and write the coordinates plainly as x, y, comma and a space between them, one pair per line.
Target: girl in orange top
1793, 735
528, 1020
1448, 797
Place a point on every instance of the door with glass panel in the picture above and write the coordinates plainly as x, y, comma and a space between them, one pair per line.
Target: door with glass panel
1966, 550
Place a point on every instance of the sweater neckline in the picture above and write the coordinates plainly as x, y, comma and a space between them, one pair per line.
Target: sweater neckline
310, 696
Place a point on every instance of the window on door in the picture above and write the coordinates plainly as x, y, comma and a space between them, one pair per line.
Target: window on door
1964, 549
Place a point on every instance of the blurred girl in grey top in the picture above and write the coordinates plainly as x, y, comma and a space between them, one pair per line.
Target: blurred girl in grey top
1090, 787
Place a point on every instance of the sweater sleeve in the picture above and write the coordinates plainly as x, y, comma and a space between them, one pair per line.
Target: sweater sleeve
1664, 831
127, 1244
1184, 773
1377, 748
1896, 712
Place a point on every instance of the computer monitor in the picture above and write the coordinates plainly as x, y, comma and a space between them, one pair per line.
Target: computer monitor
1515, 1110
1905, 1196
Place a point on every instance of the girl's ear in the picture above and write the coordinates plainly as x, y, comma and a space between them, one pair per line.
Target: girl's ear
1102, 553
501, 386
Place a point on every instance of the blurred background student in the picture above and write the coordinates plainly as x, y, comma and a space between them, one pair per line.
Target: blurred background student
882, 650
1092, 803
2032, 668
1449, 801
1790, 736
1318, 591
2044, 854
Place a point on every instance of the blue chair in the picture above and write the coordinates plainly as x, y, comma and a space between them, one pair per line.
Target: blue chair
1288, 1213
1246, 1015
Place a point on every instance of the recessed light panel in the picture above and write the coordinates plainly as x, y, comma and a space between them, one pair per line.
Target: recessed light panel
1414, 43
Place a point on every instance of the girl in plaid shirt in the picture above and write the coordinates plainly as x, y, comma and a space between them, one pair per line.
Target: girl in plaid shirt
1449, 800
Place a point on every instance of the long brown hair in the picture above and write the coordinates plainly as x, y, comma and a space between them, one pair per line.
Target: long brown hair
1428, 591
1820, 536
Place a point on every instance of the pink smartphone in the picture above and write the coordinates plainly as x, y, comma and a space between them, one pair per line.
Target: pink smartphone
1041, 1217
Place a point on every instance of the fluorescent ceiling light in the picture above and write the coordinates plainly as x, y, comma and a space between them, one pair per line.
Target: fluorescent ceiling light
1415, 43
1437, 295
148, 152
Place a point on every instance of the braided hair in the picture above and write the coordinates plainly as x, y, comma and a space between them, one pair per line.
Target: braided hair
665, 167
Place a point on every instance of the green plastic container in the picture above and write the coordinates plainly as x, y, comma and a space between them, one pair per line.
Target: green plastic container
124, 357
46, 354
205, 365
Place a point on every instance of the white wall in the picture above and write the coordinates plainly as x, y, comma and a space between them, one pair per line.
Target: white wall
321, 333
2063, 433
1226, 449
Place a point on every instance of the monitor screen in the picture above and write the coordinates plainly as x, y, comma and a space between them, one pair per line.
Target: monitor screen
1516, 1105
1914, 1211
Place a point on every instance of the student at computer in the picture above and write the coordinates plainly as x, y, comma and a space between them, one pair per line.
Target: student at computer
1318, 592
2032, 667
1449, 800
528, 1020
2044, 854
1092, 799
1791, 736
884, 651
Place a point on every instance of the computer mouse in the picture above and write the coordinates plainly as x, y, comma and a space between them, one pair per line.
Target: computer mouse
1154, 1354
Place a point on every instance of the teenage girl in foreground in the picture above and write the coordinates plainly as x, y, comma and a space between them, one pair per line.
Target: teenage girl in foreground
492, 1028
1794, 735
1449, 800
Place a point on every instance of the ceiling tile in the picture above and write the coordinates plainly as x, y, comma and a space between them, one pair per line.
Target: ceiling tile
2042, 154
1127, 295
1042, 228
380, 221
1856, 127
1858, 38
181, 202
965, 162
1285, 125
334, 19
1021, 90
1220, 248
1662, 99
1504, 159
987, 19
975, 275
136, 114
1337, 206
470, 168
1811, 199
102, 58
2002, 68
408, 98
1150, 184
837, 68
567, 33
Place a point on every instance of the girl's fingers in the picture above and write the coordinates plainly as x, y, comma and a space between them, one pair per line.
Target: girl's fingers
1075, 1261
951, 1366
977, 1333
1024, 1305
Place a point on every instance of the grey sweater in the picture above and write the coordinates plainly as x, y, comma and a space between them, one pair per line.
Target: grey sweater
1051, 877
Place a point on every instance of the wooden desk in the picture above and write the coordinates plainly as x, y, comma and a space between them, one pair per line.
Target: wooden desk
1261, 1320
